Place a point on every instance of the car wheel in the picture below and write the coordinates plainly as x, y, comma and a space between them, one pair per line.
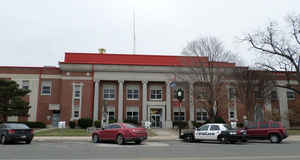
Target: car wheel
3, 140
28, 141
275, 138
120, 139
95, 138
222, 140
188, 138
138, 141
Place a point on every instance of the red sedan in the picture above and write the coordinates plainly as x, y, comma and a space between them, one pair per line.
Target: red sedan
120, 133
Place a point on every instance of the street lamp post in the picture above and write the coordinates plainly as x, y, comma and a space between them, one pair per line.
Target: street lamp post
179, 97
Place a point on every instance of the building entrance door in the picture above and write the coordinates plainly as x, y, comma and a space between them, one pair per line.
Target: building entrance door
156, 118
55, 118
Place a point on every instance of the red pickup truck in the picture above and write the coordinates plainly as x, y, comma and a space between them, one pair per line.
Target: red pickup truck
271, 130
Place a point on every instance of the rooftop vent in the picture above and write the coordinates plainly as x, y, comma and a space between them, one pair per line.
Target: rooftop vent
101, 50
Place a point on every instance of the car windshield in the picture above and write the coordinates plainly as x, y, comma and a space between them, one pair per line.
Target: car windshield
130, 126
227, 127
17, 126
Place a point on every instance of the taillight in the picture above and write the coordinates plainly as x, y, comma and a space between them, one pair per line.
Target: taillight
11, 131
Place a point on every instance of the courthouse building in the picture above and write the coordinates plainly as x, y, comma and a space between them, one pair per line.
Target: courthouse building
124, 86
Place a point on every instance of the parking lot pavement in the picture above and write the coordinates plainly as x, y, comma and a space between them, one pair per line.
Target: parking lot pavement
146, 144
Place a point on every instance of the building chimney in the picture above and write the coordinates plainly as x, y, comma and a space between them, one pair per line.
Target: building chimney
101, 50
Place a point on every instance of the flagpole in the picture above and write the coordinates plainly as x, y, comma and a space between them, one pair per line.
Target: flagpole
134, 31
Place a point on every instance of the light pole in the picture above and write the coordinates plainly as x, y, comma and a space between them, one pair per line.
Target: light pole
179, 96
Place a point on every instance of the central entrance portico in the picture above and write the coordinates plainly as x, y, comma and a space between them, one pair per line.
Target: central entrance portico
156, 115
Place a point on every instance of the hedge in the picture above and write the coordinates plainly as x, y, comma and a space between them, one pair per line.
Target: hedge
72, 124
180, 124
85, 123
97, 124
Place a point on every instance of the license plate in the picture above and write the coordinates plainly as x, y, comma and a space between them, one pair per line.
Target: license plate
23, 136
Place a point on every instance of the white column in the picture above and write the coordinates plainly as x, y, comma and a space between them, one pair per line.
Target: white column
120, 106
144, 107
96, 100
192, 101
168, 106
283, 105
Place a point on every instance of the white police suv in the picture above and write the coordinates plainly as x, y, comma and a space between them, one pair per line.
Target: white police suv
209, 131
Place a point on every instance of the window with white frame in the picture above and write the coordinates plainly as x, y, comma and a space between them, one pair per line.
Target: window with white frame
290, 95
108, 92
76, 111
77, 91
132, 113
132, 92
179, 114
156, 93
202, 114
25, 84
201, 93
46, 88
231, 113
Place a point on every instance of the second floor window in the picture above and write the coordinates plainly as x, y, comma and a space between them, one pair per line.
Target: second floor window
231, 93
156, 93
132, 93
25, 84
77, 91
46, 88
290, 95
109, 92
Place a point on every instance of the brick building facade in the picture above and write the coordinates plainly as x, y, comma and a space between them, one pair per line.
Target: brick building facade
134, 87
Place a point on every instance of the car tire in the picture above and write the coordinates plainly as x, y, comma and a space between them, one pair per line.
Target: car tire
138, 141
188, 139
3, 140
120, 139
222, 140
95, 138
275, 138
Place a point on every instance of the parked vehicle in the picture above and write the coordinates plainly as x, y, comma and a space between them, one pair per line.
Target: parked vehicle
15, 132
271, 130
214, 132
120, 133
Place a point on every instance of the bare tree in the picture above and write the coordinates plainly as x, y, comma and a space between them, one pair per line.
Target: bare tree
280, 49
252, 86
204, 64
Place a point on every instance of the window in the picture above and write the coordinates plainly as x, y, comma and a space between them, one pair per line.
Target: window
156, 93
77, 89
231, 114
214, 128
263, 125
202, 93
178, 116
202, 114
290, 95
275, 125
115, 126
111, 116
132, 93
76, 112
25, 84
231, 93
252, 126
132, 114
204, 128
109, 92
46, 88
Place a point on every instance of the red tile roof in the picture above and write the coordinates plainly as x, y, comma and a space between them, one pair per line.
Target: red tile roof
134, 59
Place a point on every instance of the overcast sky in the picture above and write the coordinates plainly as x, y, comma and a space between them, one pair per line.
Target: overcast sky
39, 32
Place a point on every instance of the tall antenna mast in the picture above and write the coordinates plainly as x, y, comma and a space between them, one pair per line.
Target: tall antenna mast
133, 31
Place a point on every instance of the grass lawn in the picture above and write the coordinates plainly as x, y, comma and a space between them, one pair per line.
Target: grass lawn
63, 132
294, 131
74, 132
